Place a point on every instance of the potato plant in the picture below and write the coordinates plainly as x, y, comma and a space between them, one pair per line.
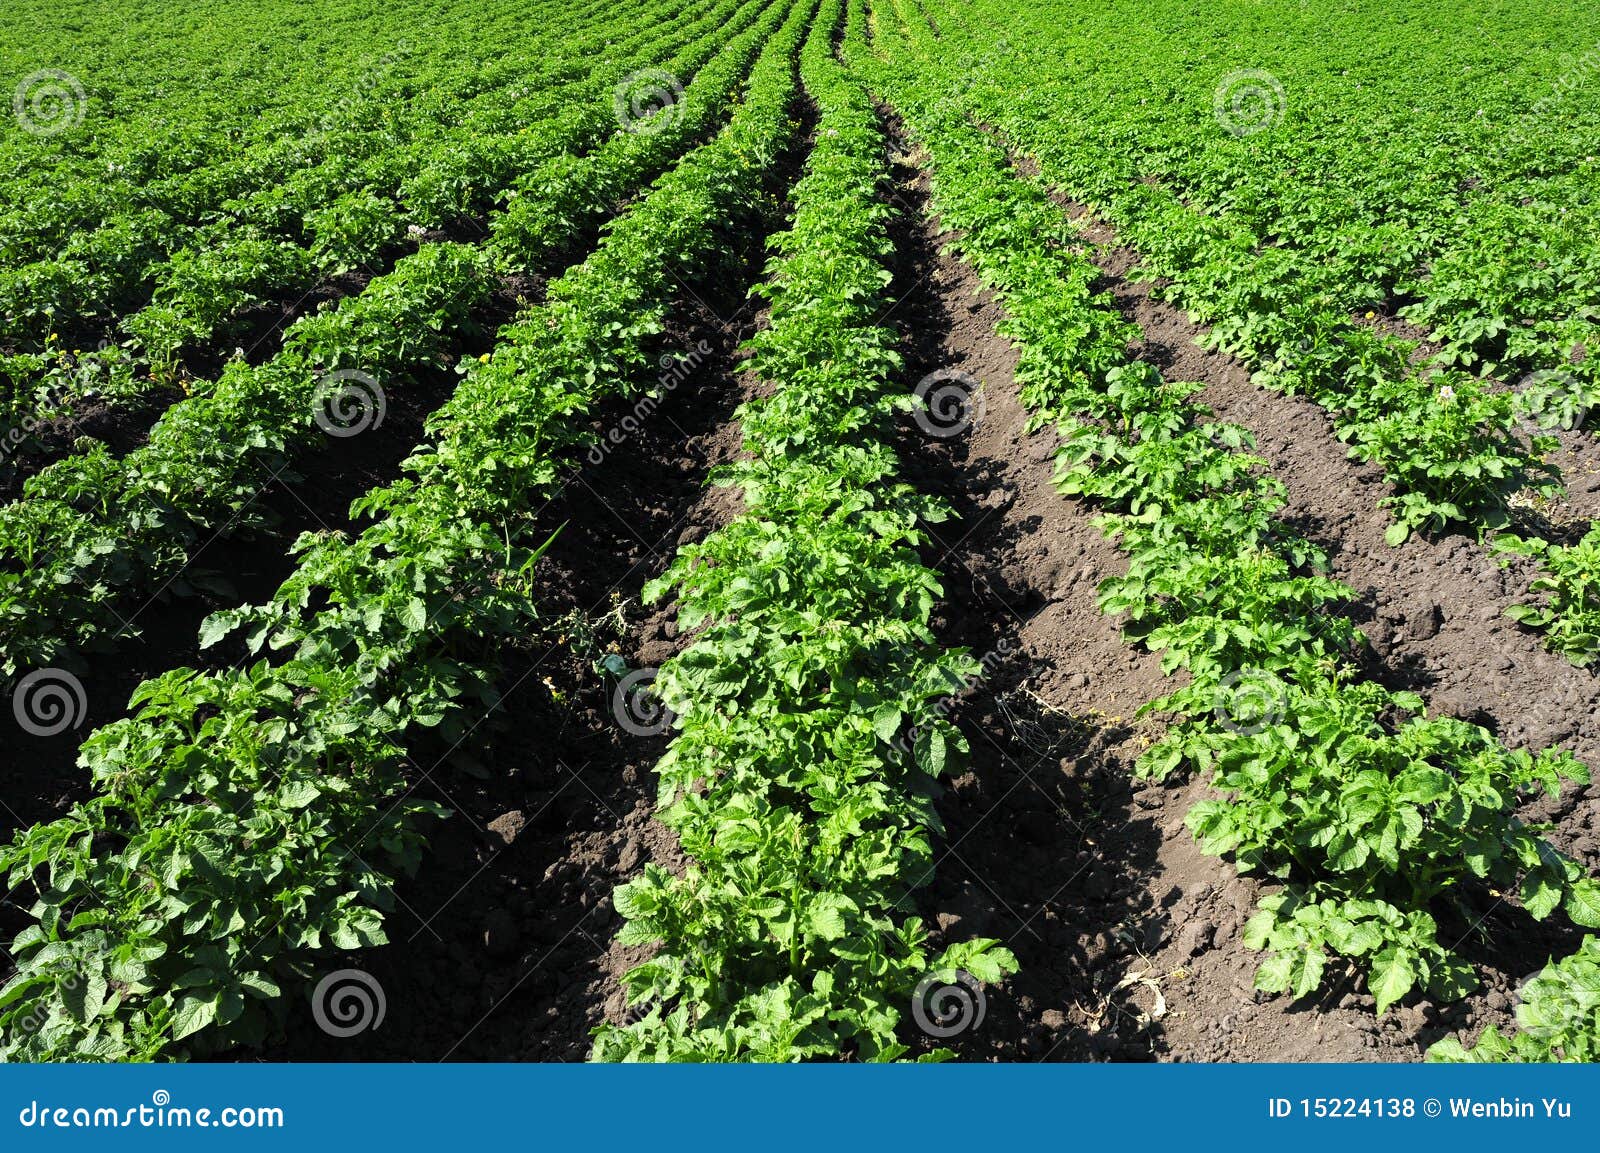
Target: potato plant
374, 638
1369, 815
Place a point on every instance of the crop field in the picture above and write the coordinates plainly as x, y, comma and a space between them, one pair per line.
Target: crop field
773, 530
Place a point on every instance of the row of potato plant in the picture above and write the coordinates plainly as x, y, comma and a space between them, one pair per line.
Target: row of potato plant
1290, 240
268, 245
280, 242
1568, 612
245, 822
336, 184
804, 811
93, 532
1291, 282
186, 155
1369, 814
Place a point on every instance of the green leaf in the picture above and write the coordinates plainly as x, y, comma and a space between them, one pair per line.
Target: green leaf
826, 915
415, 615
1392, 976
1308, 977
192, 1014
298, 794
1275, 973
886, 722
1527, 614
260, 985
21, 984
1258, 929
1449, 1051
84, 995
931, 751
992, 963
215, 627
1583, 903
1539, 896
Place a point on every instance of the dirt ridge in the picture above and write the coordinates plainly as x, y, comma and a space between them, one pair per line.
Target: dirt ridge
1127, 934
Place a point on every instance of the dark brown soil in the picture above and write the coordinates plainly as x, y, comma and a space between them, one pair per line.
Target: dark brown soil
1126, 934
39, 777
122, 425
503, 945
1137, 955
1047, 842
503, 948
1432, 610
234, 564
